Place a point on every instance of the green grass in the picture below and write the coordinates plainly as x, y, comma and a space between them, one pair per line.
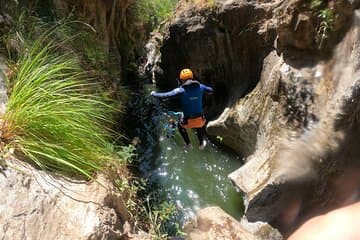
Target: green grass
53, 116
325, 18
157, 216
155, 11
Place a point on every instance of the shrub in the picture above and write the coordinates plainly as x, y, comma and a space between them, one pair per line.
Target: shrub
53, 115
155, 11
157, 216
325, 19
315, 4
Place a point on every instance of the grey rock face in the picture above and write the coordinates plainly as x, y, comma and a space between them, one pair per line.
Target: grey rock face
305, 151
38, 205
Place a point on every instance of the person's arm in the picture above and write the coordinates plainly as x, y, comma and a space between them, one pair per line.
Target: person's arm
206, 88
173, 93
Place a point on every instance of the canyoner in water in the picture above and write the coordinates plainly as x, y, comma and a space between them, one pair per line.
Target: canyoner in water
190, 93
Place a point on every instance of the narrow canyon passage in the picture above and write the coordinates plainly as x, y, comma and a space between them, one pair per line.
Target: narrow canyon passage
190, 178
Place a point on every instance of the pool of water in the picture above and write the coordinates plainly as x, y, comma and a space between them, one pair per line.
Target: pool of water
190, 178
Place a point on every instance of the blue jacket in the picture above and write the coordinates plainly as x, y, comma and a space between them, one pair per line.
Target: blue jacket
191, 95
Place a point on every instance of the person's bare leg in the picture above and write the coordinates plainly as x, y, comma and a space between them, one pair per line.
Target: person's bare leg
339, 224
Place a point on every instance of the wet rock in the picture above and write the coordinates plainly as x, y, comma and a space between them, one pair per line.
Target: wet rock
213, 223
150, 67
241, 124
39, 205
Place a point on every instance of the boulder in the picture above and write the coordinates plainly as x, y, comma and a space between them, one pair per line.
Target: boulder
41, 205
213, 223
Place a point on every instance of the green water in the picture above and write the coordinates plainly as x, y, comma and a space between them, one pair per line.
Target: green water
191, 179
195, 178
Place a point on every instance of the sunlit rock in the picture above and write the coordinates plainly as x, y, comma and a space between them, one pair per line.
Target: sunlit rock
38, 205
212, 223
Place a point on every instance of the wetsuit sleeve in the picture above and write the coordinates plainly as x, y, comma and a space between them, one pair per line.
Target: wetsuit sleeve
173, 93
206, 88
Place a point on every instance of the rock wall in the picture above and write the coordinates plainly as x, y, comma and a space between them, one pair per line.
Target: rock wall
39, 205
107, 18
310, 148
286, 98
117, 27
221, 45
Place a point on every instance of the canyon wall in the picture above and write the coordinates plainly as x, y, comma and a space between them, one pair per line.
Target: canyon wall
118, 26
286, 82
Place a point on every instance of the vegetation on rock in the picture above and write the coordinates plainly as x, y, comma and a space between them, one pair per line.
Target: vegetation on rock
62, 83
153, 12
54, 116
325, 19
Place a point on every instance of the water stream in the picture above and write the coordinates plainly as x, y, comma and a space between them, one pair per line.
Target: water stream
191, 179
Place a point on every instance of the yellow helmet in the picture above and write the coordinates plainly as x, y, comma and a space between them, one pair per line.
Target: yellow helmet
186, 74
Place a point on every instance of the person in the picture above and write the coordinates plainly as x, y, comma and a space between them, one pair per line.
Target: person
339, 224
190, 93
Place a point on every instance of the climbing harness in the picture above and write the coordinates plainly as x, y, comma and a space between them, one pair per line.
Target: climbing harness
196, 122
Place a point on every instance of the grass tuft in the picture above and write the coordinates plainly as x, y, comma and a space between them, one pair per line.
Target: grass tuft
53, 114
155, 11
325, 18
